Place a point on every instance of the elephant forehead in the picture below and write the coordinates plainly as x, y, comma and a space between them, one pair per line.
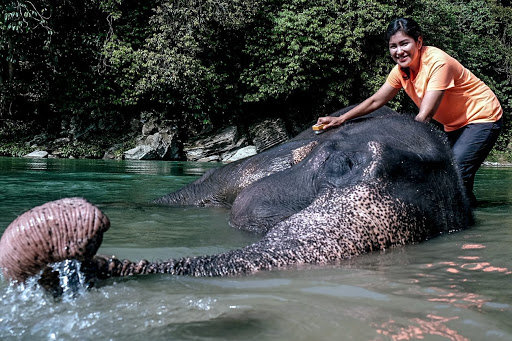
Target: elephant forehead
264, 168
299, 154
376, 150
255, 172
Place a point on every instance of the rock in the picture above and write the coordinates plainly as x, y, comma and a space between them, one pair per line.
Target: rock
135, 126
497, 164
150, 127
57, 154
268, 133
211, 147
164, 144
158, 146
113, 152
241, 153
37, 154
194, 154
62, 140
39, 139
109, 154
142, 152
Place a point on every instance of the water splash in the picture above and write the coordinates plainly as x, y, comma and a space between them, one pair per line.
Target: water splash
31, 309
72, 281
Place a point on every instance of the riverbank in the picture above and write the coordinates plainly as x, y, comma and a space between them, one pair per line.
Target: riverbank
499, 158
101, 150
155, 139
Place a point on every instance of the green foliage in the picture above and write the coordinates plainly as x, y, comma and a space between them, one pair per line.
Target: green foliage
315, 54
80, 149
18, 19
189, 62
500, 156
12, 130
85, 68
15, 149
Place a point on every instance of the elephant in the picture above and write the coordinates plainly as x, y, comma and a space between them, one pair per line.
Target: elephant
377, 182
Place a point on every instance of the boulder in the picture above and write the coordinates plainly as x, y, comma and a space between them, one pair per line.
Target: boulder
165, 145
150, 127
239, 154
142, 152
212, 147
212, 158
162, 145
37, 154
268, 133
61, 141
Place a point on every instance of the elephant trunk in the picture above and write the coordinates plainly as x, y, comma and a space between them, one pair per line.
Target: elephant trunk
69, 228
208, 266
72, 228
267, 254
263, 255
105, 267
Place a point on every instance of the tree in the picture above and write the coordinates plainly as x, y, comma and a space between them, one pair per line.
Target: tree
85, 68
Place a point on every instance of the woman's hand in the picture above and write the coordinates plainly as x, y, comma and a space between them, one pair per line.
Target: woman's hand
374, 102
331, 121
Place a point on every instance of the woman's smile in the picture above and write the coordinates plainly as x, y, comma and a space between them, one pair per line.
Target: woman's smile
404, 50
402, 59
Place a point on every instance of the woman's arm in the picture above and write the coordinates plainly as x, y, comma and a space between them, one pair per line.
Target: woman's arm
429, 105
372, 103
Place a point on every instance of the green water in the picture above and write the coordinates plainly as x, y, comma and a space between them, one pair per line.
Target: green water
455, 287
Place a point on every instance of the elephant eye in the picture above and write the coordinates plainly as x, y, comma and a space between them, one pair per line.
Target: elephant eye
337, 168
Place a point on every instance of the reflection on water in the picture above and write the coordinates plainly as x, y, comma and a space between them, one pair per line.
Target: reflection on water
420, 328
37, 164
455, 287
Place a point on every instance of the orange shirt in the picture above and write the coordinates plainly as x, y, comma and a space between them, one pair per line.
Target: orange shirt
466, 98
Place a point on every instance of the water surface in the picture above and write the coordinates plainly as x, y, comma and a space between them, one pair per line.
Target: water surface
454, 287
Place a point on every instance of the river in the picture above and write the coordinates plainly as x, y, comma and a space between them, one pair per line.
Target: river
454, 287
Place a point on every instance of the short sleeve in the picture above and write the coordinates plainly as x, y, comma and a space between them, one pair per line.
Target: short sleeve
394, 78
442, 75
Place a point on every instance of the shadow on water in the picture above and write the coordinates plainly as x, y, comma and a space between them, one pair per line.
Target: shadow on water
245, 326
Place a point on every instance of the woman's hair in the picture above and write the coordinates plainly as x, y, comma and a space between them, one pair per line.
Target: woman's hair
406, 25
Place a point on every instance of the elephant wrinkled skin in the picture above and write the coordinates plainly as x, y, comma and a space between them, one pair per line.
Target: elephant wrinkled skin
371, 184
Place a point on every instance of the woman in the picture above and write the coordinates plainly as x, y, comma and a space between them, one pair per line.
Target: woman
443, 90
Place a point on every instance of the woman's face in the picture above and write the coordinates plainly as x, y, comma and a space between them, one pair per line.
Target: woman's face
404, 50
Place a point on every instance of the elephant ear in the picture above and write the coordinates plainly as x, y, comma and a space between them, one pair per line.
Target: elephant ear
69, 228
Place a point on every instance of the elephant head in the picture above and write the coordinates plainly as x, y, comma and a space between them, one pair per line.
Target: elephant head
372, 184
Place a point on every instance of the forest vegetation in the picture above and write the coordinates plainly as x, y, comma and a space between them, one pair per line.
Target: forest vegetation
91, 71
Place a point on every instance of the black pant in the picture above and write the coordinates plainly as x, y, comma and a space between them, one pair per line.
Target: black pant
471, 144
